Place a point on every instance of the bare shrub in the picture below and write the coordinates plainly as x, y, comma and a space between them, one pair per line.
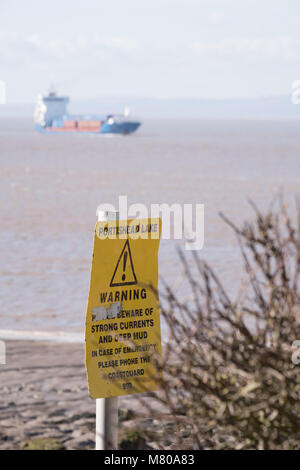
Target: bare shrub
228, 378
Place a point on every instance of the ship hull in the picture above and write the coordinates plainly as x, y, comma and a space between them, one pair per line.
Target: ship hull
123, 128
119, 128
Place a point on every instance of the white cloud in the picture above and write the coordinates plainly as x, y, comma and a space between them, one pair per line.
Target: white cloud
89, 62
33, 39
92, 64
283, 47
33, 48
216, 16
116, 42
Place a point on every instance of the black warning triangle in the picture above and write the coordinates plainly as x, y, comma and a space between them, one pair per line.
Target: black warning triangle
124, 274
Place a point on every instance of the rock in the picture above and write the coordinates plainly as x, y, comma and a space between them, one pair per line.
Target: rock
167, 443
84, 415
42, 444
58, 412
81, 444
125, 414
132, 440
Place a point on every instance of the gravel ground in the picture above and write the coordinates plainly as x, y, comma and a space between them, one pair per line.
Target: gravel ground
44, 394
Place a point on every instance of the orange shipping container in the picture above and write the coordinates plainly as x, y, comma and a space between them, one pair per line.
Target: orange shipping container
69, 123
93, 123
88, 124
81, 123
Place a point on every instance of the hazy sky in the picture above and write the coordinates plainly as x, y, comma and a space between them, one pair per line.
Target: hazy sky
149, 48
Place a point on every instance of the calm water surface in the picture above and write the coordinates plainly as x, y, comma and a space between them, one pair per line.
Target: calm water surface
50, 187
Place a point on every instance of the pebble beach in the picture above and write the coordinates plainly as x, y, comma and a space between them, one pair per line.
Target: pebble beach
44, 395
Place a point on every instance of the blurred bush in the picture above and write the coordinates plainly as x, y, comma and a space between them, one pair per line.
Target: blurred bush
229, 381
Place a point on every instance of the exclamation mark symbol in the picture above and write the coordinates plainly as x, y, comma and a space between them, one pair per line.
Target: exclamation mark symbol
124, 265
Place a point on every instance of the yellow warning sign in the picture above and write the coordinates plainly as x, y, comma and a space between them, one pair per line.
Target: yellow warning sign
123, 321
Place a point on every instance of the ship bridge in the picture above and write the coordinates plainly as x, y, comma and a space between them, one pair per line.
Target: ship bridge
56, 107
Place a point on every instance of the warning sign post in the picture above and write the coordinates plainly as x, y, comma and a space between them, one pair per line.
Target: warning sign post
123, 321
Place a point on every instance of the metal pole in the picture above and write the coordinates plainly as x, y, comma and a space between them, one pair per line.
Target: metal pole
107, 408
107, 423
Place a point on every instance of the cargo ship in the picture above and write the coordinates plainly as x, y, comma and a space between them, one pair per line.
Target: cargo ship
51, 117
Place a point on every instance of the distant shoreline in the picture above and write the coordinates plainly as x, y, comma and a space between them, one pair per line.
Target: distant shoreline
265, 107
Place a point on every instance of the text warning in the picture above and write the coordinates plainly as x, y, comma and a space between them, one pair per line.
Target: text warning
123, 320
